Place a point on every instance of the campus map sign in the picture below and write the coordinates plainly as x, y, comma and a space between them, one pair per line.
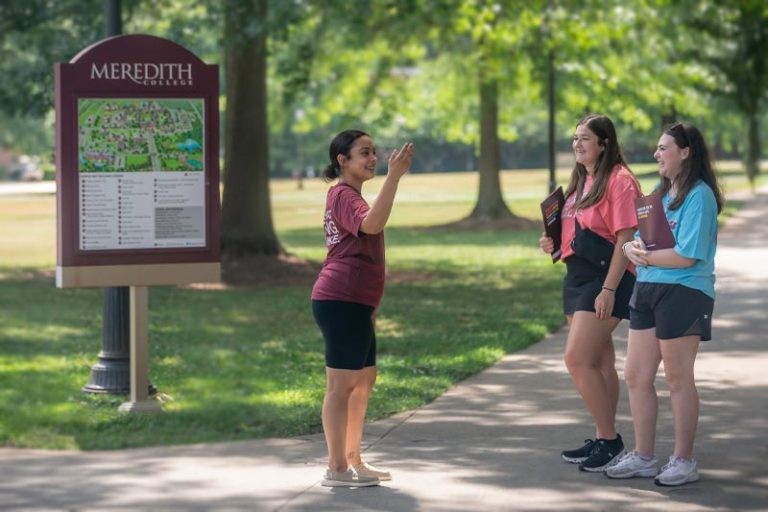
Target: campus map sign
137, 165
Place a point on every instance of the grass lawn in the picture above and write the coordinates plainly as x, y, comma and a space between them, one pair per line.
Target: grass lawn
242, 362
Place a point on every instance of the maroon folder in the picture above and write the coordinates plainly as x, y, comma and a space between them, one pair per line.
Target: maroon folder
551, 209
652, 223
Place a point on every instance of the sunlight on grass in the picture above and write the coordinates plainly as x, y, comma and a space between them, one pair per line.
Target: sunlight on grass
288, 397
13, 364
169, 361
389, 328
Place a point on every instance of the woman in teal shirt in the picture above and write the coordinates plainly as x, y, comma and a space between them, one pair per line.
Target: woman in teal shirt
671, 306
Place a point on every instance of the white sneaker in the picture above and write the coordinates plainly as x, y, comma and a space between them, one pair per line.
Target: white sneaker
348, 478
677, 471
632, 465
369, 470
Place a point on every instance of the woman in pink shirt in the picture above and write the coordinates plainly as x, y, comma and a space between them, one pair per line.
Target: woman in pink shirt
596, 290
346, 295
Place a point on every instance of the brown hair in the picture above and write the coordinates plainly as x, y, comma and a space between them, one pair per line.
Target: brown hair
603, 128
694, 168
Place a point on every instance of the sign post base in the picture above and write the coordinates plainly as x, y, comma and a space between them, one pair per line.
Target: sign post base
139, 307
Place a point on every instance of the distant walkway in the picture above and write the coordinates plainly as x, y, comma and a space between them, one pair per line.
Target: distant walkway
490, 443
8, 188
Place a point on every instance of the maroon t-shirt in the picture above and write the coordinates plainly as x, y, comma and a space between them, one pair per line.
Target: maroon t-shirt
353, 271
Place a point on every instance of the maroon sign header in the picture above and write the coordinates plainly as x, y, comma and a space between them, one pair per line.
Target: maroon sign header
137, 155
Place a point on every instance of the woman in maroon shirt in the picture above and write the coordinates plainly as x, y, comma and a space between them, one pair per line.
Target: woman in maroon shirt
346, 295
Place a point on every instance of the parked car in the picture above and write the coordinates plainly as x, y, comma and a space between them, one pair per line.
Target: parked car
26, 168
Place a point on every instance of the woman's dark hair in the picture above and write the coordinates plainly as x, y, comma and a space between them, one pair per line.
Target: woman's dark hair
340, 145
603, 128
694, 168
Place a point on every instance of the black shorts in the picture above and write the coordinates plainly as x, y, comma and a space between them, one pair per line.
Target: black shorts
347, 327
673, 309
583, 283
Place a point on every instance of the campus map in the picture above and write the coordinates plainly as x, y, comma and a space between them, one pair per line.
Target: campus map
137, 135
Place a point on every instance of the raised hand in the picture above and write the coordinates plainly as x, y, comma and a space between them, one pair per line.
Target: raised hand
400, 161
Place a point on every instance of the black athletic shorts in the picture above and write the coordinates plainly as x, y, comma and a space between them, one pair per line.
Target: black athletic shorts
673, 309
347, 327
583, 282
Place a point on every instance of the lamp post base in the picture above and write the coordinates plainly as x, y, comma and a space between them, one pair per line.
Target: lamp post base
109, 377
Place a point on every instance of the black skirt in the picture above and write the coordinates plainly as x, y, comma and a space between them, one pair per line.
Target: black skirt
584, 281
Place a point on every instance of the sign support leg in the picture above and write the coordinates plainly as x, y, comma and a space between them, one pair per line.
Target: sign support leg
139, 398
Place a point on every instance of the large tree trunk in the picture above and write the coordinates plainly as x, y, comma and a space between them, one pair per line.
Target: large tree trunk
752, 157
490, 203
552, 106
246, 211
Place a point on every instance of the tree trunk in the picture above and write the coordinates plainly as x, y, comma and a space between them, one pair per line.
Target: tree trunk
552, 104
490, 203
752, 157
247, 227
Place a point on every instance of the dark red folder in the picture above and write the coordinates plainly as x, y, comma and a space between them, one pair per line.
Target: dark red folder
653, 224
551, 209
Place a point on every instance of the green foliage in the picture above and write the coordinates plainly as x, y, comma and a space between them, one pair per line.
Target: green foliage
408, 69
197, 26
34, 34
730, 39
27, 135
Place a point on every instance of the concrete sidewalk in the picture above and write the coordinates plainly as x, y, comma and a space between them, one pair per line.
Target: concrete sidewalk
490, 443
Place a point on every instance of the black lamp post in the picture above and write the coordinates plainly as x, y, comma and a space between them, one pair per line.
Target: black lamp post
114, 19
111, 373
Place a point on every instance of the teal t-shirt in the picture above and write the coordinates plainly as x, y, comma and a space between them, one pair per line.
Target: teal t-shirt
694, 226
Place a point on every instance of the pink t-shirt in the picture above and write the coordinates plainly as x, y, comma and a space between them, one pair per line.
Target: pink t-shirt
614, 212
353, 270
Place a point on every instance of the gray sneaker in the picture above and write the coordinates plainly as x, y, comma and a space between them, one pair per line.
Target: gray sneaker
348, 478
632, 465
677, 471
365, 469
